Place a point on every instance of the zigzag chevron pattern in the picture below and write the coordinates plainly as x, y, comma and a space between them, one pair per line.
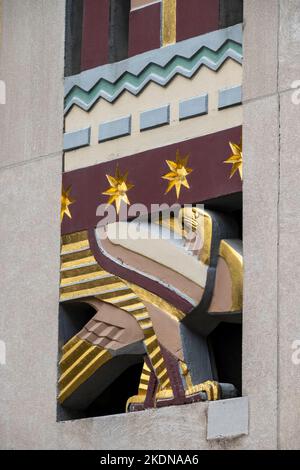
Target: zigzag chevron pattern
155, 73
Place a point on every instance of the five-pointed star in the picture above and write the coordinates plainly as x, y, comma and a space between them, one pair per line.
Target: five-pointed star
118, 189
66, 201
178, 174
236, 159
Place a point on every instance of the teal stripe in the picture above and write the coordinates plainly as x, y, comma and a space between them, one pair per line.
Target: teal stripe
155, 73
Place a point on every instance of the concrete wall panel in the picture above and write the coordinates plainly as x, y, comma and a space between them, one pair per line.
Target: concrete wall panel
31, 64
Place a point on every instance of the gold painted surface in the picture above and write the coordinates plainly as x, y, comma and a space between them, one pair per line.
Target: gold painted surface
166, 383
81, 271
74, 247
97, 362
81, 276
168, 22
145, 324
78, 263
164, 394
234, 262
177, 177
144, 380
66, 201
199, 220
186, 375
141, 315
78, 256
207, 237
160, 362
135, 399
236, 159
117, 298
79, 281
75, 237
119, 186
78, 364
211, 388
88, 354
88, 276
71, 355
154, 353
157, 361
131, 305
149, 341
157, 302
101, 284
70, 343
80, 294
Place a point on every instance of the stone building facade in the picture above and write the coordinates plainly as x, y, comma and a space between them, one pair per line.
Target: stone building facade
46, 144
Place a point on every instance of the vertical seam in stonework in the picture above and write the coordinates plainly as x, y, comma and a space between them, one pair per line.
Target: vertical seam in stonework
278, 234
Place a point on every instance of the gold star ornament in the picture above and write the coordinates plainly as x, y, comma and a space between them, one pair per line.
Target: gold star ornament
118, 189
177, 177
66, 201
236, 159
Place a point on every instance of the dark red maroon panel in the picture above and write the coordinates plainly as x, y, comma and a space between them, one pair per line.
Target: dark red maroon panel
95, 33
208, 180
195, 17
144, 29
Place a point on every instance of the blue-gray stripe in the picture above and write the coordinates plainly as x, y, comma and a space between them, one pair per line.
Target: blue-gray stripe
155, 118
77, 139
114, 129
135, 65
230, 96
193, 107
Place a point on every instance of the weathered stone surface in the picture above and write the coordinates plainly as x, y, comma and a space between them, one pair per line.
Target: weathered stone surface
289, 275
289, 40
260, 186
31, 64
30, 225
228, 418
260, 48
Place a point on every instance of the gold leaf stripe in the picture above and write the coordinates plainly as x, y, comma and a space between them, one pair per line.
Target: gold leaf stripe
74, 237
115, 296
81, 276
88, 293
78, 347
69, 344
83, 360
80, 263
72, 354
157, 302
166, 383
234, 261
87, 279
75, 247
111, 282
85, 270
76, 256
84, 374
168, 22
136, 309
154, 353
143, 386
